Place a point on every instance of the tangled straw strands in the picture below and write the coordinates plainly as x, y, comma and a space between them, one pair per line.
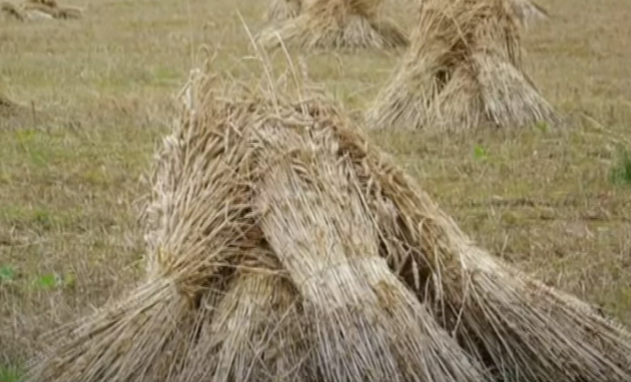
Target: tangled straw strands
283, 246
201, 240
290, 286
462, 70
336, 24
281, 10
366, 324
528, 12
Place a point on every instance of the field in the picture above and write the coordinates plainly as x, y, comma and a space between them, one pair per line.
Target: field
99, 91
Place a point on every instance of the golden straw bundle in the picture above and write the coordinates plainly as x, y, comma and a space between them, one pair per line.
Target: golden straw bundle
256, 270
283, 246
315, 220
200, 238
336, 24
462, 70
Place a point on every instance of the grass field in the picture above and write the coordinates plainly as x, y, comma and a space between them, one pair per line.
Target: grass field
98, 93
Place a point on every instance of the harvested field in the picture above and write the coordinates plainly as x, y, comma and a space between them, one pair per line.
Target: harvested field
555, 203
302, 252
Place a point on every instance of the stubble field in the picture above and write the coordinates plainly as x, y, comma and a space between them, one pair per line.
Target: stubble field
98, 95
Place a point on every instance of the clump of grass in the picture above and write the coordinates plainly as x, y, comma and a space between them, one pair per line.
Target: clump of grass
9, 373
7, 273
620, 173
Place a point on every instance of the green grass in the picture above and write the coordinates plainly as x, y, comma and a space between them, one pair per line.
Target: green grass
555, 202
621, 171
9, 373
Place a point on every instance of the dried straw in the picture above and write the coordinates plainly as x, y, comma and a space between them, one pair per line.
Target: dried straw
336, 24
314, 218
256, 270
462, 70
255, 333
515, 325
281, 10
199, 233
284, 247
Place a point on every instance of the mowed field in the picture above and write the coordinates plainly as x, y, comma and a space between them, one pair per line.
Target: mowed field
99, 94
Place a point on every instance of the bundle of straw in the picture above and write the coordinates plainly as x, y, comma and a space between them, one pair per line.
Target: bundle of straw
336, 24
201, 237
462, 70
281, 10
256, 269
315, 220
283, 246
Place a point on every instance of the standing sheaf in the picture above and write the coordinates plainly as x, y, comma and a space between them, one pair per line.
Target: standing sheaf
462, 70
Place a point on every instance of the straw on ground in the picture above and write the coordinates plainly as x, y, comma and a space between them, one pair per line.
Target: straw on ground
463, 70
336, 24
282, 245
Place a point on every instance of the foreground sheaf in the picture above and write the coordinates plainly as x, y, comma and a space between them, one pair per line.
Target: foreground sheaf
282, 245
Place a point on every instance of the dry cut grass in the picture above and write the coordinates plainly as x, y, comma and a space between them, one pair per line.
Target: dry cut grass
280, 192
463, 70
337, 24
